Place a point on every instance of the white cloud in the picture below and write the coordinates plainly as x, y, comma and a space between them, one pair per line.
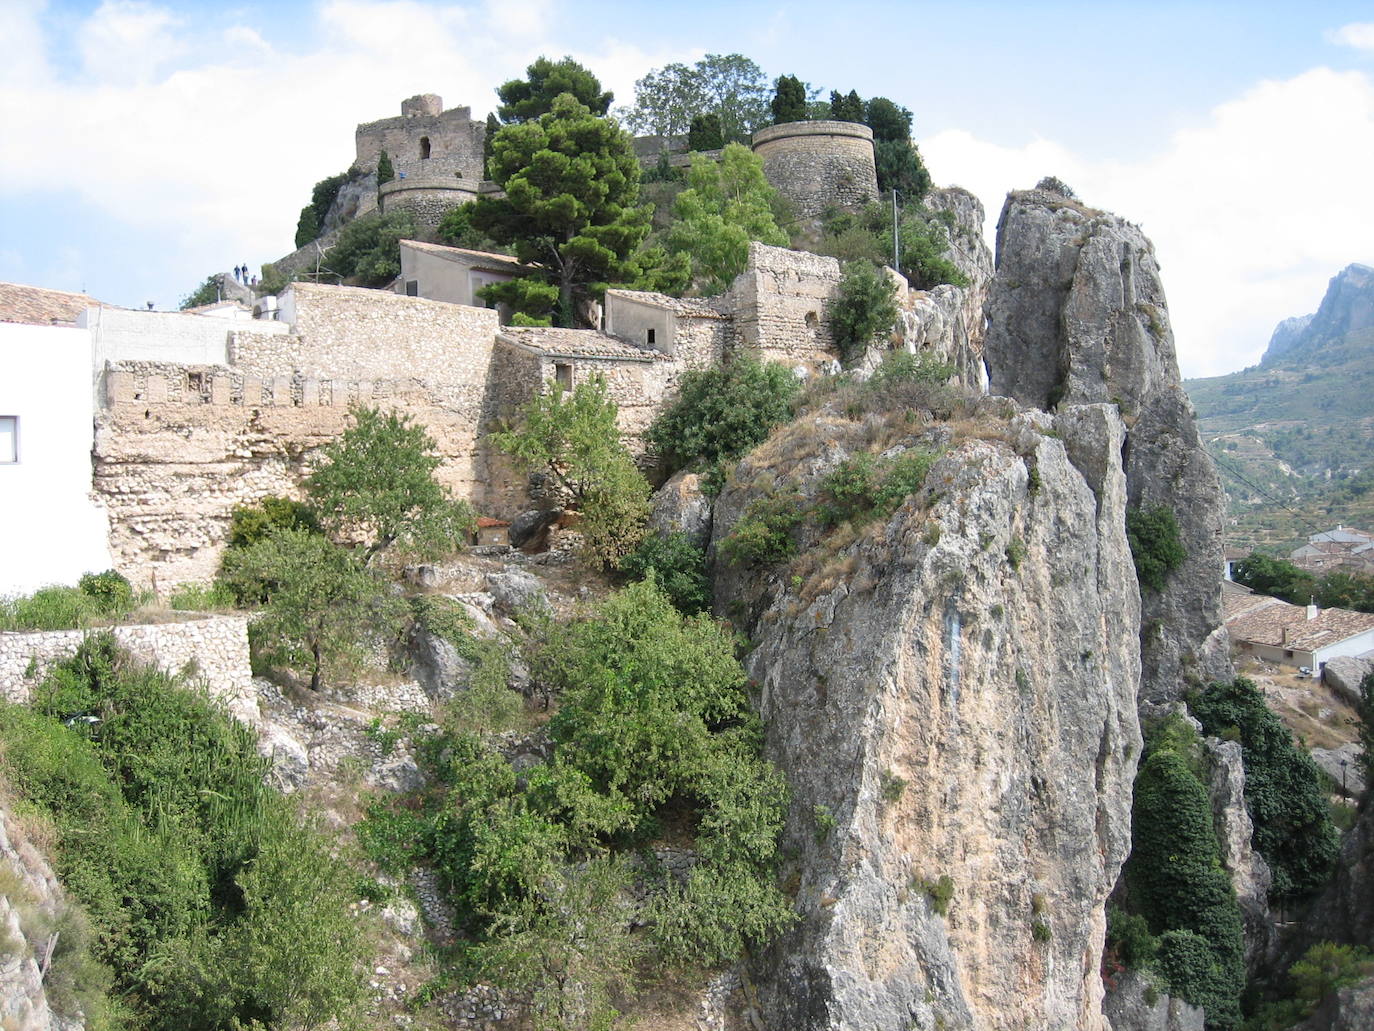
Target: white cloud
22, 57
1359, 35
1251, 212
128, 41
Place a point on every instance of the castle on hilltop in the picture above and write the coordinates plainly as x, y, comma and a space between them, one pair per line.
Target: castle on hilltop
198, 412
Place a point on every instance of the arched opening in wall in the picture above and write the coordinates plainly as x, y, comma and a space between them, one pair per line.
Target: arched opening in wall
813, 324
424, 148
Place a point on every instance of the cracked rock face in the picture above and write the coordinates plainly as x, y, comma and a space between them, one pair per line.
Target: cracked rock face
959, 704
1077, 315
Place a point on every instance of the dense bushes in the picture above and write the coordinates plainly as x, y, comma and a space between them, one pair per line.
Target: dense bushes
723, 412
1282, 579
678, 566
97, 598
1283, 791
1176, 881
864, 309
653, 729
210, 904
1155, 546
368, 249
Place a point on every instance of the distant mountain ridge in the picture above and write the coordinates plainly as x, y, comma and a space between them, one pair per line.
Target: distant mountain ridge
1348, 306
1293, 436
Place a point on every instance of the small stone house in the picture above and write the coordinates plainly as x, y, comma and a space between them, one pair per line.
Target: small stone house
1296, 635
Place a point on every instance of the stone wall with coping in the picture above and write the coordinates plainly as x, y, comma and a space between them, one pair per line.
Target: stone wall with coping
780, 303
427, 199
177, 448
821, 164
215, 647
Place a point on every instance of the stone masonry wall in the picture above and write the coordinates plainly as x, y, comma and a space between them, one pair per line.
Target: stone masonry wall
780, 303
178, 447
455, 143
428, 200
216, 647
353, 333
817, 165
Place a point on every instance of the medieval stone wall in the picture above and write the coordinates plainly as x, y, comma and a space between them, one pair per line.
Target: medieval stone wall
178, 447
427, 199
214, 647
455, 141
817, 165
780, 303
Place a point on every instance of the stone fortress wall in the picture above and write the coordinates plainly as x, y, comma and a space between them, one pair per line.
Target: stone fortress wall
821, 164
425, 142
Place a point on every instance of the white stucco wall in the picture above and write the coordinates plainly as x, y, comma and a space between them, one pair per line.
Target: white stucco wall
50, 529
122, 335
630, 320
1357, 645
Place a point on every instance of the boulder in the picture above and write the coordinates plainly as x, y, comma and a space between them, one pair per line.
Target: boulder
680, 506
528, 527
1342, 762
1343, 675
1077, 315
1134, 1004
515, 589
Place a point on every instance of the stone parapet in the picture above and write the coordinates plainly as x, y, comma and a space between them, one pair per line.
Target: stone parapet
214, 648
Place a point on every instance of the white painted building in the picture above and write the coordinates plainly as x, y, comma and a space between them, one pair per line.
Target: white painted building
453, 274
51, 531
1297, 635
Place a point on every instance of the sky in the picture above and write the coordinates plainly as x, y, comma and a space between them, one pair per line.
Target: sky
146, 144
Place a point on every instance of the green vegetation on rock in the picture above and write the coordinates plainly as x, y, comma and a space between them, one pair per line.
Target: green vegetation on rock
1155, 545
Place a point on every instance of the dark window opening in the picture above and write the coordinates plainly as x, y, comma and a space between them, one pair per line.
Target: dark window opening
424, 148
562, 375
1287, 654
651, 336
412, 288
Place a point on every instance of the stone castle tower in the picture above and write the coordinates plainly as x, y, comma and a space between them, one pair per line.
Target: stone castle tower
821, 164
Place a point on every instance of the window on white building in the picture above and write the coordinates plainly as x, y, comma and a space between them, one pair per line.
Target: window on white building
9, 439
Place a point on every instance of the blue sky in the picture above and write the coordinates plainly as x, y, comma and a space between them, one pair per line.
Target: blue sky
149, 143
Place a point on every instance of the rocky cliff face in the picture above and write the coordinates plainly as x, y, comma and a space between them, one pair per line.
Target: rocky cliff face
1347, 306
951, 694
1077, 315
31, 905
948, 321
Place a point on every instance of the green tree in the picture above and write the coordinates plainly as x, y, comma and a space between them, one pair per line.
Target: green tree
1366, 726
864, 308
923, 238
368, 249
705, 133
727, 204
321, 200
721, 413
573, 439
207, 293
1175, 877
730, 86
888, 121
571, 183
678, 566
1283, 788
789, 100
846, 108
1277, 577
492, 128
385, 171
323, 606
375, 485
895, 157
1155, 545
530, 98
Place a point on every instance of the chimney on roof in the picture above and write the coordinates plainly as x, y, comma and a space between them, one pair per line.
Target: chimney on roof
1283, 637
1312, 609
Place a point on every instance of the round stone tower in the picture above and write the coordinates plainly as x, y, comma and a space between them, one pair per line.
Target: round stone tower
817, 165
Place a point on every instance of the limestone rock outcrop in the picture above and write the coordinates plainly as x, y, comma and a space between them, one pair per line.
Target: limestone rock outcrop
1350, 1009
31, 905
952, 697
1136, 1005
681, 506
1343, 675
1250, 874
1347, 306
1344, 912
1077, 315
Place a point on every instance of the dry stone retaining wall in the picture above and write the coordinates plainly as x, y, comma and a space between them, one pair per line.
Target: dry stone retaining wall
215, 646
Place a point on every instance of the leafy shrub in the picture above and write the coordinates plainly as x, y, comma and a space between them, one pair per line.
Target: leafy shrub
368, 249
653, 724
940, 892
764, 535
249, 524
723, 412
864, 308
1283, 788
1175, 878
212, 906
923, 240
109, 590
1155, 546
100, 597
1129, 938
867, 487
678, 566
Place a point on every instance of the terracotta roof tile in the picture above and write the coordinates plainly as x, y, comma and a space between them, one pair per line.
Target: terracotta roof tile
688, 307
1265, 625
40, 306
577, 343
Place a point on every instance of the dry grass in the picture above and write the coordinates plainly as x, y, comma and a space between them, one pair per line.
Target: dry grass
1315, 714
